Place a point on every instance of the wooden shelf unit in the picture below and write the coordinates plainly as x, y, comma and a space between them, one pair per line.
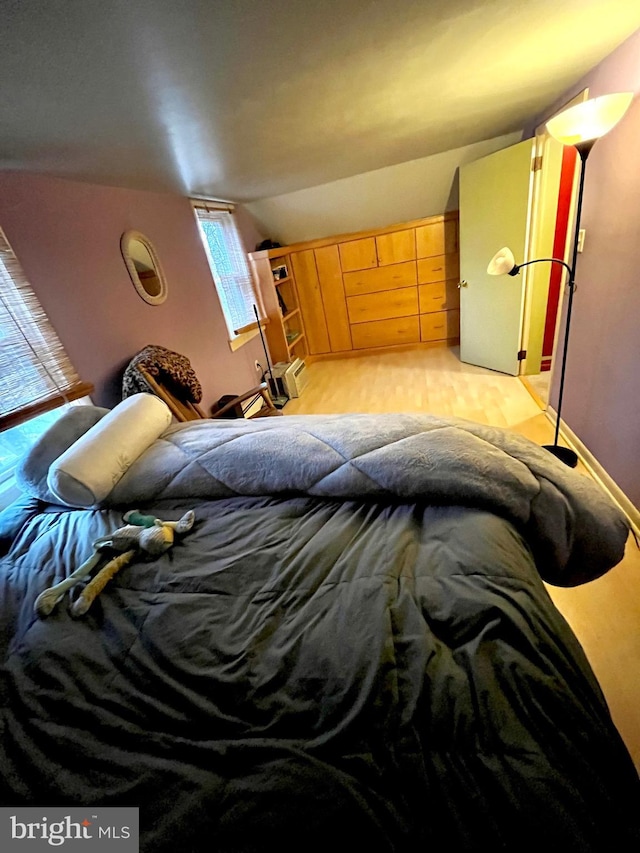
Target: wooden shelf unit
368, 290
285, 331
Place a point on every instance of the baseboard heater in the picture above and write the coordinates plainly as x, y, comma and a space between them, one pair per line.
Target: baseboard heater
287, 379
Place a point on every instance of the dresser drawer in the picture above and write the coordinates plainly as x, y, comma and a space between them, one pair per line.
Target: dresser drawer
439, 296
384, 305
385, 333
438, 269
440, 325
381, 278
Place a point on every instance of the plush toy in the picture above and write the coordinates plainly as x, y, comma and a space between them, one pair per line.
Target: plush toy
143, 533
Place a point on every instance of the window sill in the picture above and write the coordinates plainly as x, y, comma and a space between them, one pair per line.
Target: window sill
242, 339
76, 392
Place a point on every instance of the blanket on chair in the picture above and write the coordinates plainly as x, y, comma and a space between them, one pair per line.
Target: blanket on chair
173, 370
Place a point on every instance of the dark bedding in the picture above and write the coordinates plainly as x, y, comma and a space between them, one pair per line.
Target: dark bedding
303, 671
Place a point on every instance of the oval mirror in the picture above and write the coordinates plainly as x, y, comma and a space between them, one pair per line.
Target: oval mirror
144, 267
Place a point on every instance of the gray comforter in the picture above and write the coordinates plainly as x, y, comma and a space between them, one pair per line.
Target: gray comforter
575, 531
352, 649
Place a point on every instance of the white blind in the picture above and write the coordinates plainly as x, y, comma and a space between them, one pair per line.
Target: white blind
35, 371
229, 267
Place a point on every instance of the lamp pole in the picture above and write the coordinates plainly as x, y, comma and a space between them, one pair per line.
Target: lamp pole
583, 150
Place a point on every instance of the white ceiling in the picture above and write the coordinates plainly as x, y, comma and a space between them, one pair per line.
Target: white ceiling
244, 99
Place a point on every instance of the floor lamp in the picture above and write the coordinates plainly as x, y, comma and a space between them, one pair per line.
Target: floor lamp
579, 126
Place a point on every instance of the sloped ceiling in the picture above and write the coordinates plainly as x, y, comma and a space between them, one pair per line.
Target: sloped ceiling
244, 99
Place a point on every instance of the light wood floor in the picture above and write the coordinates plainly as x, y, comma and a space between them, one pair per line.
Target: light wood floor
604, 614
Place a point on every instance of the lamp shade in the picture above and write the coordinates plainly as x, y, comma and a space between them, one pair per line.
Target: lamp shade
502, 263
589, 120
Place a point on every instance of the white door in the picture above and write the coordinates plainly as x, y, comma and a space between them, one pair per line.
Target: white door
495, 198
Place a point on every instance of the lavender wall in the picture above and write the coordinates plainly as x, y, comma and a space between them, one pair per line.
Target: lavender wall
67, 237
602, 390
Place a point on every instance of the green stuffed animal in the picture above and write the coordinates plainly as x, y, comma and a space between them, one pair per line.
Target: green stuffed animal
143, 534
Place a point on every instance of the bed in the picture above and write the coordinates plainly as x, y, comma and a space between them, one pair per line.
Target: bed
353, 645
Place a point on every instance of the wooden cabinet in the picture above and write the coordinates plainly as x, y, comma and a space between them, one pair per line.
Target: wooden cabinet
306, 272
396, 247
333, 297
381, 288
358, 254
437, 238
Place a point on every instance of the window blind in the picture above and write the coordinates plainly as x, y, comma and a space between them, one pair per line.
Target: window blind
229, 267
35, 372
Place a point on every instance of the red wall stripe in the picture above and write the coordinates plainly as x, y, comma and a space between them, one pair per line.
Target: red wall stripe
557, 276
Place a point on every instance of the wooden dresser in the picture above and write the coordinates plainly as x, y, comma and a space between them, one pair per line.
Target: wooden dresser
386, 287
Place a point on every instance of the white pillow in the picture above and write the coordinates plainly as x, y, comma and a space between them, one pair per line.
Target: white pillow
86, 472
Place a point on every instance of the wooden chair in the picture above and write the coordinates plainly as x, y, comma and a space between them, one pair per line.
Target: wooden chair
184, 410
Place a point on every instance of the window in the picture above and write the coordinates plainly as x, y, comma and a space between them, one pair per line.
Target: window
229, 268
36, 375
35, 372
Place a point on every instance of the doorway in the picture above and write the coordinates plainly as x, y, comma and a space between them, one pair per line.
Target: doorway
550, 279
521, 197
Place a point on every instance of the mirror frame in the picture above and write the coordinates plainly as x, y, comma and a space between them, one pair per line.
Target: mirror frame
125, 242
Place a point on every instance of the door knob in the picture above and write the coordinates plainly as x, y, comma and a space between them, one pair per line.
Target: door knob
463, 283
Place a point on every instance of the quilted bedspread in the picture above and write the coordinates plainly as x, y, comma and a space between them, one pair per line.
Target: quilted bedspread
575, 531
352, 649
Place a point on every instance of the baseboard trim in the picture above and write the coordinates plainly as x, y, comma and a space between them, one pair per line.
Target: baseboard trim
598, 473
355, 353
539, 401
